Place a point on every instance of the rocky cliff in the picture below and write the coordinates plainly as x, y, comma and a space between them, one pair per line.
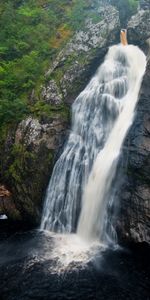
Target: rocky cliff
78, 60
134, 216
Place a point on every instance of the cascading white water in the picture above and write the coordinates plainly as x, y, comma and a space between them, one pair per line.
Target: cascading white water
93, 218
102, 114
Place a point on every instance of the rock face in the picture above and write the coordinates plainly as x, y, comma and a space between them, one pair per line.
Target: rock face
134, 217
31, 133
79, 59
133, 220
31, 164
139, 27
50, 93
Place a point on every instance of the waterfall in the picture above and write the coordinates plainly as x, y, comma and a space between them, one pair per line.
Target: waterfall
101, 116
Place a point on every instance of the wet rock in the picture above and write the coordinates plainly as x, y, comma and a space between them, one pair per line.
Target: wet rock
134, 195
134, 218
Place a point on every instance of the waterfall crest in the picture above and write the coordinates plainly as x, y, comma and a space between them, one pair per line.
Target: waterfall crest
101, 117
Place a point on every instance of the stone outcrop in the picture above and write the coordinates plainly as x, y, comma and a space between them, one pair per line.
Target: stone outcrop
139, 27
32, 134
50, 93
32, 156
79, 59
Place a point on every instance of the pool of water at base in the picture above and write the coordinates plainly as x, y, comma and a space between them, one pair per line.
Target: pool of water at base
40, 265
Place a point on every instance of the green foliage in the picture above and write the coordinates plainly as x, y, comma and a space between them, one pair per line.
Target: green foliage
126, 9
19, 165
80, 11
41, 109
12, 110
32, 33
133, 4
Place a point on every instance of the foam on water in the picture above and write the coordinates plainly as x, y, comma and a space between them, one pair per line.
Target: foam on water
70, 252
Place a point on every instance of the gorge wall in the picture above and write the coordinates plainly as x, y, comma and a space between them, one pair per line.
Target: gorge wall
134, 217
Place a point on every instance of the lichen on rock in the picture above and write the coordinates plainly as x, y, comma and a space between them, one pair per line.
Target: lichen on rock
51, 94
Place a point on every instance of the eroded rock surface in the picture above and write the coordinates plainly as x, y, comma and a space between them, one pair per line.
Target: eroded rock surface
51, 94
139, 27
31, 164
134, 219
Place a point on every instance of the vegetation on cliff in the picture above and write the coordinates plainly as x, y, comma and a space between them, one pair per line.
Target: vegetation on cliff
32, 33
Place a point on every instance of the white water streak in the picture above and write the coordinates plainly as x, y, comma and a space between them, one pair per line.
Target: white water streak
102, 115
97, 192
